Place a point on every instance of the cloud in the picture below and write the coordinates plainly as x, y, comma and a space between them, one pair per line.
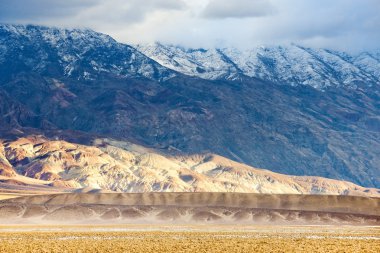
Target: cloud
338, 24
19, 10
220, 9
351, 25
84, 12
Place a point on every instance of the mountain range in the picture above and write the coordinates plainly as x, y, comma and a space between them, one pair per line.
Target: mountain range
291, 110
291, 65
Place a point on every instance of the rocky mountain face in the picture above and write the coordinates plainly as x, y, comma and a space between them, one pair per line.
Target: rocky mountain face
292, 65
126, 167
54, 79
80, 54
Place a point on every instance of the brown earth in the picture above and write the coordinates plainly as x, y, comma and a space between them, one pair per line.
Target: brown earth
188, 208
210, 238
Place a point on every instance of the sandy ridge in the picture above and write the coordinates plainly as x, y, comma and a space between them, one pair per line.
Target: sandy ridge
327, 203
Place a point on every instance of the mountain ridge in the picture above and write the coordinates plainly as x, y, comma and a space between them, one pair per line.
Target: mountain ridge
291, 64
73, 48
297, 130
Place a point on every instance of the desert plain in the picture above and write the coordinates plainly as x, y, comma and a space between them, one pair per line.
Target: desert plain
189, 222
185, 238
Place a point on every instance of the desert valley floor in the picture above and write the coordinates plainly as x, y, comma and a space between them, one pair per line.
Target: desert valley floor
189, 222
184, 238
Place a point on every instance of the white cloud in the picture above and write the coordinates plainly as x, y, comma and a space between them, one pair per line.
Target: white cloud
90, 13
237, 9
338, 24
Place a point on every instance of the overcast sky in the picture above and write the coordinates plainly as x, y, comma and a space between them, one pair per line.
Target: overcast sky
351, 25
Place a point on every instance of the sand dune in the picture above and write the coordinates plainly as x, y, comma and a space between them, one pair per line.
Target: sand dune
192, 208
8, 196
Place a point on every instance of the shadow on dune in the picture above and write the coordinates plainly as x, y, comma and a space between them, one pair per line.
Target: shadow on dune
189, 208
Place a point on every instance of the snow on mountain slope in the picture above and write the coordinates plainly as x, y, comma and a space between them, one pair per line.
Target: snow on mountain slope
207, 64
88, 55
291, 64
125, 167
369, 61
83, 54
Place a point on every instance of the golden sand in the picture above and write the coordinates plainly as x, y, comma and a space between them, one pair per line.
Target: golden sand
147, 239
8, 196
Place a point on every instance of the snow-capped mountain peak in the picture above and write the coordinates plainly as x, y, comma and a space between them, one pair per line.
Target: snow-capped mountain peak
291, 64
204, 63
80, 53
85, 54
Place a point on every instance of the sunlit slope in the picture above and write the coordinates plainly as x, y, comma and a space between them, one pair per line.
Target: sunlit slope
40, 164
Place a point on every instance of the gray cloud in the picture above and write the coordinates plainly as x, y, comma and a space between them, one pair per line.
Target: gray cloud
84, 12
340, 24
16, 10
220, 9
